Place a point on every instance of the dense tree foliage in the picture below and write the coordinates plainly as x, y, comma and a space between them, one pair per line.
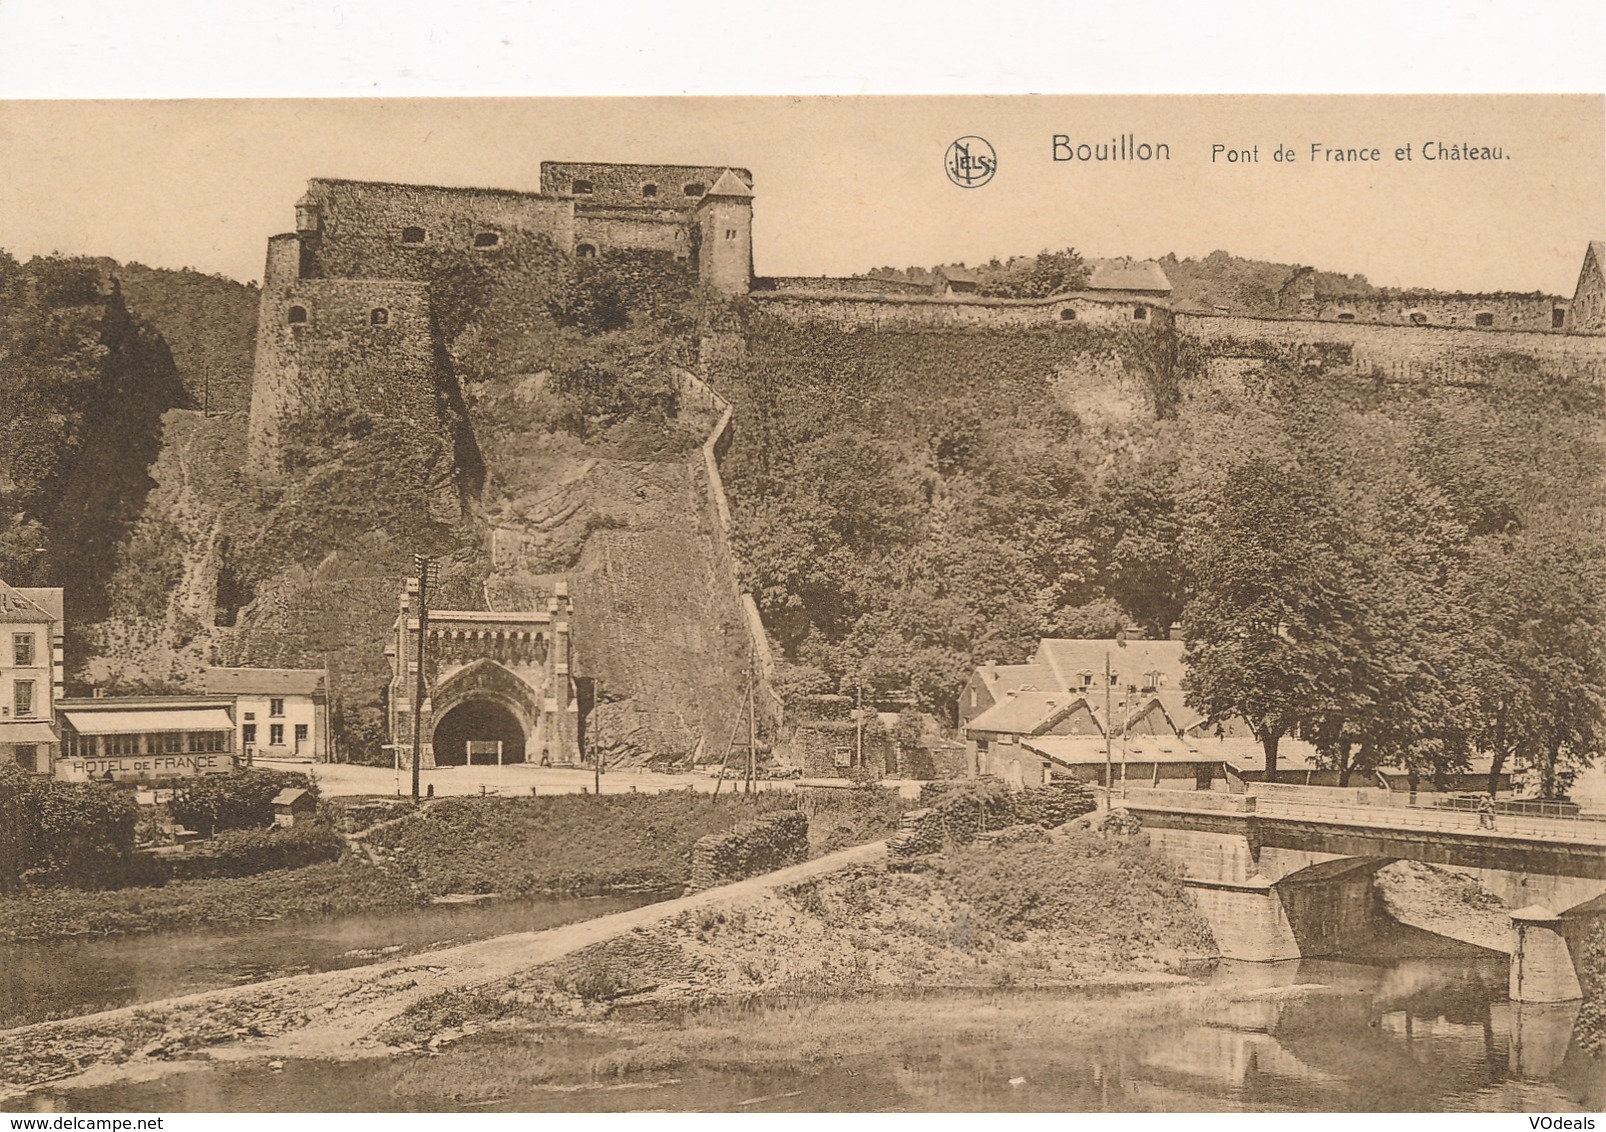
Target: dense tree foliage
1405, 574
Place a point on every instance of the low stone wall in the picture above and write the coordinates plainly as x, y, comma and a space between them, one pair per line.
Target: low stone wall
959, 818
762, 845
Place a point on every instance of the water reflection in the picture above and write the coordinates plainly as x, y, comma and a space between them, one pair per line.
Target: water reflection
1413, 1035
42, 980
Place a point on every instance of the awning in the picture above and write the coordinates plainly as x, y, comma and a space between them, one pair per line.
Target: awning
31, 732
134, 722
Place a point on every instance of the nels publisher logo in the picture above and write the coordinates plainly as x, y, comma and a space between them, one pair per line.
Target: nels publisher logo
970, 162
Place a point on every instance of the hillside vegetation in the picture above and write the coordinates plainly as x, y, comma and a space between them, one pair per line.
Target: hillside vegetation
1405, 572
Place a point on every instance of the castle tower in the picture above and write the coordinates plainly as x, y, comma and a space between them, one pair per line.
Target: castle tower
724, 221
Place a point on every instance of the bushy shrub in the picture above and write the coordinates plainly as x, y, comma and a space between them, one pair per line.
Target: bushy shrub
245, 852
242, 799
64, 833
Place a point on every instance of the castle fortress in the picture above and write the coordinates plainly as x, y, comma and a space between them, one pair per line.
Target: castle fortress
347, 321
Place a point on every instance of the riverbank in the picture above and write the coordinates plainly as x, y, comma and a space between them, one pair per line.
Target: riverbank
566, 845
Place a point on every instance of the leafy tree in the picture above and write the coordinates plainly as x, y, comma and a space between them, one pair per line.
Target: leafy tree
1266, 624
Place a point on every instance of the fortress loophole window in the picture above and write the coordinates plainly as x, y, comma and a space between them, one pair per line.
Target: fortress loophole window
487, 239
1418, 318
585, 251
1140, 313
1483, 318
1558, 318
581, 188
379, 316
695, 189
412, 235
297, 316
1067, 315
649, 191
1346, 316
730, 233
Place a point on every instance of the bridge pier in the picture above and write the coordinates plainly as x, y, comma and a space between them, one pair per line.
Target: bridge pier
1542, 968
1247, 918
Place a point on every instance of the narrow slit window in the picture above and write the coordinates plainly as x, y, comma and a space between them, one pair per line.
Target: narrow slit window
487, 239
582, 188
649, 191
412, 235
1483, 318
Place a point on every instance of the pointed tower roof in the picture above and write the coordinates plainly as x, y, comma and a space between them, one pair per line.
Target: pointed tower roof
729, 185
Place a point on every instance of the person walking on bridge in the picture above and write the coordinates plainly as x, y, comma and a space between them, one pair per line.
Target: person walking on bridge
1486, 812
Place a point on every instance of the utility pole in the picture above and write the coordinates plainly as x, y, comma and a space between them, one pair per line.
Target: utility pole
752, 727
858, 726
1109, 721
425, 566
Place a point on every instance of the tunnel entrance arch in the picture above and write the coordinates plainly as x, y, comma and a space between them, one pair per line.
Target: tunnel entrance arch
479, 721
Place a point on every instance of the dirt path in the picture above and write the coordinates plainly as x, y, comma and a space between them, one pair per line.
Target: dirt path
331, 1014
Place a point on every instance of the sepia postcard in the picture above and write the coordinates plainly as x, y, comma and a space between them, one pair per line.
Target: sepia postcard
759, 604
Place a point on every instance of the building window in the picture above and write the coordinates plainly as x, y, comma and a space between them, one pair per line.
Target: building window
412, 235
585, 251
487, 239
1483, 318
1140, 313
164, 743
27, 756
22, 697
22, 650
122, 744
730, 233
649, 191
1067, 315
581, 188
208, 742
1558, 318
301, 733
275, 707
297, 316
379, 316
248, 734
276, 735
695, 189
250, 715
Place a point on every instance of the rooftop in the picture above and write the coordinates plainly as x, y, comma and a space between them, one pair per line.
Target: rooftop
264, 681
1128, 275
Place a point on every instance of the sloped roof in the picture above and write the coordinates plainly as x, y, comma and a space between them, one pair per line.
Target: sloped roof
1129, 660
1001, 678
288, 795
1086, 750
957, 274
729, 185
29, 603
1128, 275
264, 681
1025, 712
1246, 753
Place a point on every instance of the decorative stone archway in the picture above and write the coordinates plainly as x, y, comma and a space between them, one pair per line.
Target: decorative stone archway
489, 676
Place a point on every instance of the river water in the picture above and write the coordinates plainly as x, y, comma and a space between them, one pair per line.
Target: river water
1314, 1035
47, 979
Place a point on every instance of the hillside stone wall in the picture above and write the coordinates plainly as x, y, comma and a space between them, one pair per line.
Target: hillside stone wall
925, 312
762, 845
960, 817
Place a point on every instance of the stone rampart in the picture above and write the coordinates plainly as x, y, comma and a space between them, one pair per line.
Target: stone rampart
327, 348
1456, 354
372, 230
929, 312
1493, 312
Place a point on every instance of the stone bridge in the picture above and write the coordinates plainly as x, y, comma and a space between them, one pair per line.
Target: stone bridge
1284, 880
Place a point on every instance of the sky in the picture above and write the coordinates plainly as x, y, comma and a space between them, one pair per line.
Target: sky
843, 184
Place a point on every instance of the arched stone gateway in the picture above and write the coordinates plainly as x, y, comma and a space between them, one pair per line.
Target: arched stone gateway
489, 677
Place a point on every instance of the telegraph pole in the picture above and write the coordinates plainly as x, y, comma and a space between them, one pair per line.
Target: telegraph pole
1109, 720
424, 566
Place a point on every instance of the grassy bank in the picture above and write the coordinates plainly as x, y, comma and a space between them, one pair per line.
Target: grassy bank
1044, 910
317, 890
584, 844
569, 844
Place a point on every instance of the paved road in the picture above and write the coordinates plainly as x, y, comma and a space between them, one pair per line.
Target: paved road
522, 780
